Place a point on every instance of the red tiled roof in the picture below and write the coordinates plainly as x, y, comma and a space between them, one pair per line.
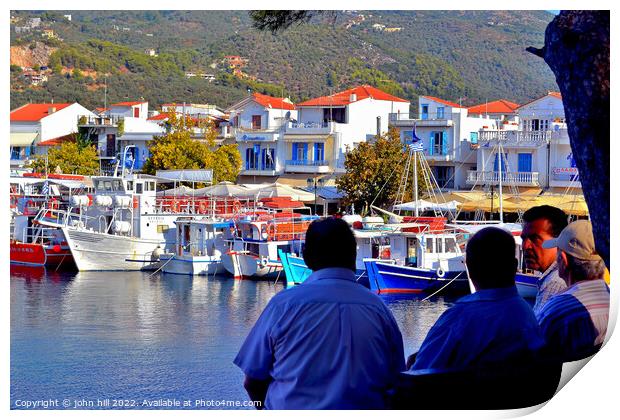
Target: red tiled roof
442, 101
555, 94
34, 112
129, 103
344, 97
501, 106
159, 117
57, 141
102, 109
271, 102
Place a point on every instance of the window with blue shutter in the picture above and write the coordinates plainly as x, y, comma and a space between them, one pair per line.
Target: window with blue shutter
425, 112
496, 163
319, 151
248, 156
431, 144
294, 153
525, 162
305, 148
440, 112
444, 143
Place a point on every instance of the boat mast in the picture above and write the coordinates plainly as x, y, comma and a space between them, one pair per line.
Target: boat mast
415, 182
501, 205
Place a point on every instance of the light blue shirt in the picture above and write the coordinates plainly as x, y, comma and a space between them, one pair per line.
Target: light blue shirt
491, 325
549, 285
328, 343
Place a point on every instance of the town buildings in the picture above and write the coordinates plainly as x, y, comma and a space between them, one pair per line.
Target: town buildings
305, 144
281, 140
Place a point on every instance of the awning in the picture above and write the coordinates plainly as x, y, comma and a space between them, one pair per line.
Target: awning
196, 175
23, 139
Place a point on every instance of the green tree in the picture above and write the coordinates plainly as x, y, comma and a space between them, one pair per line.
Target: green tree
74, 156
178, 150
373, 173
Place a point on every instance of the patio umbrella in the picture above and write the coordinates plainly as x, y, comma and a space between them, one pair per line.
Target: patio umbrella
281, 190
224, 189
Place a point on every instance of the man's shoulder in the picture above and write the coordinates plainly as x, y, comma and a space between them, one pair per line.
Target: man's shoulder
560, 306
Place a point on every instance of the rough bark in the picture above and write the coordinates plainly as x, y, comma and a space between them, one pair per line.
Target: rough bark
577, 50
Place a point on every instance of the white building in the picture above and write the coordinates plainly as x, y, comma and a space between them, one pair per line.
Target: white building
258, 123
131, 119
34, 124
537, 154
329, 126
449, 136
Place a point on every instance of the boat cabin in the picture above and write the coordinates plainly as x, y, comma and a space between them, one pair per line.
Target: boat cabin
428, 250
202, 237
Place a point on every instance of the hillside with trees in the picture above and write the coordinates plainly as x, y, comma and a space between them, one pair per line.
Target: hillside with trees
470, 55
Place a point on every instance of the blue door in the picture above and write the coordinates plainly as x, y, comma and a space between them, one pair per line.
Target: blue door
525, 162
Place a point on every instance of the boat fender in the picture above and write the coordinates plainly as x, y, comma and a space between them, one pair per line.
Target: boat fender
440, 273
156, 254
264, 261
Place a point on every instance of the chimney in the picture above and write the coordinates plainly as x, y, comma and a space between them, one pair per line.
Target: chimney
51, 110
352, 97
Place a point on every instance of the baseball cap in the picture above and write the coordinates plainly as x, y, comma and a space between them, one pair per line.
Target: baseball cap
577, 240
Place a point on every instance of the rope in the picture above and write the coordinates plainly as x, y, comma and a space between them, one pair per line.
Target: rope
439, 290
162, 266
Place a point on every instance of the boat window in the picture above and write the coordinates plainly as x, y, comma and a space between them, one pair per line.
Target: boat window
252, 248
451, 245
284, 248
439, 245
429, 245
139, 188
129, 185
107, 186
117, 185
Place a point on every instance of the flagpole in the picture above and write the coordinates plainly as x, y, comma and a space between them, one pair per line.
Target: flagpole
415, 181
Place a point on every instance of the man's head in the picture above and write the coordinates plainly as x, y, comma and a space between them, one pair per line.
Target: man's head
490, 259
540, 224
330, 243
576, 256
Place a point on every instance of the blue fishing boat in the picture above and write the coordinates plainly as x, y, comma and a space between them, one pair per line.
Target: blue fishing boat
371, 243
420, 263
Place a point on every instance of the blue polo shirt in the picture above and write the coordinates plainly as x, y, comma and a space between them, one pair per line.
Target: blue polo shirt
491, 325
328, 343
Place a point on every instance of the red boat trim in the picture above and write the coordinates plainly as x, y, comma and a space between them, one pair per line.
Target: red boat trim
381, 291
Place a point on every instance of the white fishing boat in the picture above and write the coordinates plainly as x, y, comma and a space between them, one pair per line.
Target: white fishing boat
254, 250
199, 249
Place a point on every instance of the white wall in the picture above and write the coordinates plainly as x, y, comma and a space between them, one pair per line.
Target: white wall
62, 122
546, 108
127, 111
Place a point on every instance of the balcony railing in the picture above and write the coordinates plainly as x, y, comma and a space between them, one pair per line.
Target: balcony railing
409, 116
307, 162
515, 137
323, 124
111, 121
508, 178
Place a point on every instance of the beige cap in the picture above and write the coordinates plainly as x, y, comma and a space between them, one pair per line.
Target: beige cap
577, 240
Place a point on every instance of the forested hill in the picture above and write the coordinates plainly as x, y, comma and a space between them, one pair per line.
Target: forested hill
466, 55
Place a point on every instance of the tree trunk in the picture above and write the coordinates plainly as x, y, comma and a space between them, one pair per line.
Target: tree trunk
577, 50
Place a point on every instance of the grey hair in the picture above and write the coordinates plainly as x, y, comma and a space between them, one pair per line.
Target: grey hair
585, 269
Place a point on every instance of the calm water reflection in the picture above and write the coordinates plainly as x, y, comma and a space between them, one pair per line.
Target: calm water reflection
130, 335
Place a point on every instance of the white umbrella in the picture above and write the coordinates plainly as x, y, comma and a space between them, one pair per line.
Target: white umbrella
182, 190
424, 205
224, 189
281, 190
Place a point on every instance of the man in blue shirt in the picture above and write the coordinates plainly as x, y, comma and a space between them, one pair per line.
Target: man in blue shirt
328, 343
494, 324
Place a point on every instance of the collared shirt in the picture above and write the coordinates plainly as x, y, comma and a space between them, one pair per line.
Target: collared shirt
489, 325
549, 284
574, 323
328, 343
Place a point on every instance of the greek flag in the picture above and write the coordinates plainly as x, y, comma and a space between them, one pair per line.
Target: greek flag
46, 188
416, 142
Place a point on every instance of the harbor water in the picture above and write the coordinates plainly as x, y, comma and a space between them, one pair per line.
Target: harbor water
138, 340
